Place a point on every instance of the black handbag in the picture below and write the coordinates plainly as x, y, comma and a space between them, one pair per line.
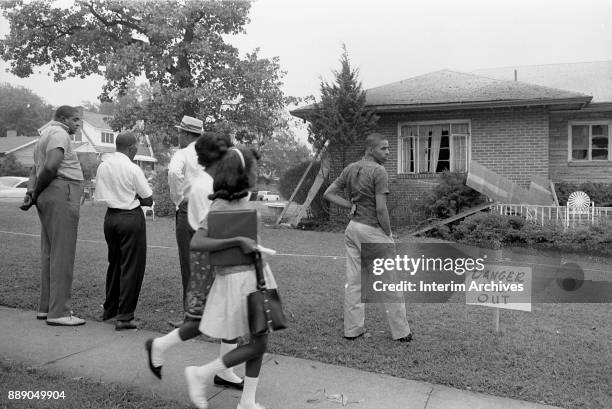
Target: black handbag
265, 310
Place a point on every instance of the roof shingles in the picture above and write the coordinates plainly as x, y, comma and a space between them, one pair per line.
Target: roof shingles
445, 87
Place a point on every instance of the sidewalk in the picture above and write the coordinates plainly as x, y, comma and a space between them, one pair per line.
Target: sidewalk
97, 351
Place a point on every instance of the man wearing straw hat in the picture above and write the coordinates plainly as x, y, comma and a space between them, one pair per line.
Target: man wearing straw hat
182, 170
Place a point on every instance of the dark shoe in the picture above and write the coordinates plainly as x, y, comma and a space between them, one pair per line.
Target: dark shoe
107, 316
364, 334
222, 382
124, 325
41, 315
155, 369
407, 338
176, 324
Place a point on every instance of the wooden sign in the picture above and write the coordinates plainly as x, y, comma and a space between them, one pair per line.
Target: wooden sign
499, 286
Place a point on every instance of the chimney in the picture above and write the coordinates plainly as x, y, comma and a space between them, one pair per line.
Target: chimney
11, 133
515, 76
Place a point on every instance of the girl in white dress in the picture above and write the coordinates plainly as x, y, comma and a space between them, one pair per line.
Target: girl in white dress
225, 313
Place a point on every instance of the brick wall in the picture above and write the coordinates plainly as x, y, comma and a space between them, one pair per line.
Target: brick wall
559, 167
512, 142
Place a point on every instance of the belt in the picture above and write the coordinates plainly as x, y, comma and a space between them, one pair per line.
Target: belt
115, 210
68, 179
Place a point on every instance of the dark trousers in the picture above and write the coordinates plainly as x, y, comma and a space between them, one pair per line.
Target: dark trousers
125, 232
58, 209
184, 233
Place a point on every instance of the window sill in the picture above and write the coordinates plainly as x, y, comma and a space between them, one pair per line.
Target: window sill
590, 164
419, 175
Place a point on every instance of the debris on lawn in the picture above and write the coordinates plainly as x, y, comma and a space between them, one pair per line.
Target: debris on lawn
341, 398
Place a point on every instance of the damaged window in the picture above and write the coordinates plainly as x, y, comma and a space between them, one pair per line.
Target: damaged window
433, 147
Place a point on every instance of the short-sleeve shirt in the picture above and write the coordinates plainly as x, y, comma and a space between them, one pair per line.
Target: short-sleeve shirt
118, 181
199, 203
182, 169
55, 135
362, 181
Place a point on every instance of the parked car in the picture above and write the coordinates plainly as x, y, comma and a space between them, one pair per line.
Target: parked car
13, 188
267, 195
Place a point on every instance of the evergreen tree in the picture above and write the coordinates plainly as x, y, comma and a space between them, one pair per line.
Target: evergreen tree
341, 116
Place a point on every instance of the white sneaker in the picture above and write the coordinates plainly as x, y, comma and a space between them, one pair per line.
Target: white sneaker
254, 406
196, 388
69, 321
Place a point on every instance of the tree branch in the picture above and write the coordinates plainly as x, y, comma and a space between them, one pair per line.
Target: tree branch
109, 23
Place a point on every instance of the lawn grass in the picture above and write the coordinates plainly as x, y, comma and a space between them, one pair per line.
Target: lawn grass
78, 393
558, 354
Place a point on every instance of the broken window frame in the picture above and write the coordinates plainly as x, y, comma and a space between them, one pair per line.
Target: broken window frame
408, 163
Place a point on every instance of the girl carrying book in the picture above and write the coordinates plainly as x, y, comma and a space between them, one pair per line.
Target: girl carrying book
225, 313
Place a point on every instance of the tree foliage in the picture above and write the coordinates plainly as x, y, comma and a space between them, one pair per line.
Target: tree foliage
291, 177
22, 110
341, 116
178, 46
282, 151
89, 164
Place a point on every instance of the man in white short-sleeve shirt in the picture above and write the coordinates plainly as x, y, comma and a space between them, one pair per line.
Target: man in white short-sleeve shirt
182, 170
123, 187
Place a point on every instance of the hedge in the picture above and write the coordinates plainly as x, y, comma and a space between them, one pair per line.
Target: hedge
492, 230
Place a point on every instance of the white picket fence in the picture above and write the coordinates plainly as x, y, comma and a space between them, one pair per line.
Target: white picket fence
567, 216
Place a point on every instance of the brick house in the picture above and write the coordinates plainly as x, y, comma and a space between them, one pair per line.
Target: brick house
443, 120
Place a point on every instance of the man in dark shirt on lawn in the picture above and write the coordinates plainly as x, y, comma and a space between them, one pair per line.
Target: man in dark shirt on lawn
366, 184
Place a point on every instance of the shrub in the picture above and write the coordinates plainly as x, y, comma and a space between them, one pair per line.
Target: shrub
290, 179
10, 166
492, 230
483, 229
161, 194
600, 193
450, 197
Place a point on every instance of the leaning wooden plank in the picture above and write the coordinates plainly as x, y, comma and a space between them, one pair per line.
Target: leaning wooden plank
314, 189
554, 193
297, 188
452, 219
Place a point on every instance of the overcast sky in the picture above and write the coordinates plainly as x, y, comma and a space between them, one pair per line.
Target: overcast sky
393, 40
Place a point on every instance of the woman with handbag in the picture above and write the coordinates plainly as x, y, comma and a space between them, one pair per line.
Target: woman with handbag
225, 314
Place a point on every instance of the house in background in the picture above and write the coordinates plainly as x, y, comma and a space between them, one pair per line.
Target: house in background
443, 120
97, 137
22, 147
